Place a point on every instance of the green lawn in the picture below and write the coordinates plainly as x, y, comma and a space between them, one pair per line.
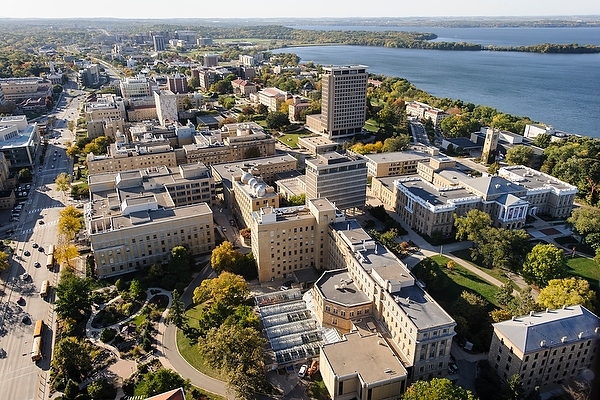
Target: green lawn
462, 279
291, 139
190, 352
497, 273
586, 268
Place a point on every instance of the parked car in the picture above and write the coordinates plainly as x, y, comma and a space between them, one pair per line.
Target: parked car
302, 371
26, 253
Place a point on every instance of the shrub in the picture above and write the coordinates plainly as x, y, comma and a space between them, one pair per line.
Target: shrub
107, 335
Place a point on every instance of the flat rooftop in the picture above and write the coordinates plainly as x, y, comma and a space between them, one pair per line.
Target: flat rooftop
532, 179
431, 195
397, 156
337, 286
423, 311
368, 356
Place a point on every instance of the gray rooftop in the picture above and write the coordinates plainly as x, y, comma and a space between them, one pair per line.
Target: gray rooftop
368, 356
337, 286
396, 156
533, 332
423, 311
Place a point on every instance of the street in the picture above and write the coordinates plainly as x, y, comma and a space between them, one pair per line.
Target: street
20, 377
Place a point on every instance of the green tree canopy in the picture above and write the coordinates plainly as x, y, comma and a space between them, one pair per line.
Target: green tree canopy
72, 296
430, 273
472, 226
519, 155
436, 389
567, 292
276, 120
544, 263
3, 261
162, 380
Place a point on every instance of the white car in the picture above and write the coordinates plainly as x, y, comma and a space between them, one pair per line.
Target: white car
302, 371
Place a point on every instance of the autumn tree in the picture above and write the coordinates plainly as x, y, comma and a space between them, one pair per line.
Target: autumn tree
225, 258
63, 182
3, 261
567, 292
227, 288
65, 252
435, 389
544, 263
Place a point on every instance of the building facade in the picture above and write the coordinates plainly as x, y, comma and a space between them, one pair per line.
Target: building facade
135, 218
545, 348
339, 178
343, 102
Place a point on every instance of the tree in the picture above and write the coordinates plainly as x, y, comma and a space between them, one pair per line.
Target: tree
519, 155
515, 388
567, 292
135, 290
177, 314
472, 225
543, 263
276, 120
25, 175
585, 220
523, 303
73, 298
493, 168
297, 200
179, 262
73, 151
430, 273
162, 380
101, 389
227, 288
504, 295
65, 252
3, 261
543, 140
225, 258
239, 353
435, 389
72, 357
398, 143
69, 226
502, 248
473, 309
63, 182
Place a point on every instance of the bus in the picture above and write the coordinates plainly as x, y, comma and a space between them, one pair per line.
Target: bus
38, 330
36, 351
50, 257
44, 289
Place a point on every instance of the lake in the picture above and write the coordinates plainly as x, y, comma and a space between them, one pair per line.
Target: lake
562, 90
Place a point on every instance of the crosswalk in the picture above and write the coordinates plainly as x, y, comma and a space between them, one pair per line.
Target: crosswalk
39, 227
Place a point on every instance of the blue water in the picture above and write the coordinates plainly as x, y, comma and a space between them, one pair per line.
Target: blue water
562, 90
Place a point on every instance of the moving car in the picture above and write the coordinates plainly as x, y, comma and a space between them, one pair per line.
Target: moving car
26, 253
35, 245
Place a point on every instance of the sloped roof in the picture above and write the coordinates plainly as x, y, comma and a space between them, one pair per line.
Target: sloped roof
494, 185
175, 394
510, 200
551, 328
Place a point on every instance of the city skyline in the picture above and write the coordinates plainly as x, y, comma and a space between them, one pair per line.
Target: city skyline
309, 9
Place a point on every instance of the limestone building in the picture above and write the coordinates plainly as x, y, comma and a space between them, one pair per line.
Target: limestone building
135, 218
545, 348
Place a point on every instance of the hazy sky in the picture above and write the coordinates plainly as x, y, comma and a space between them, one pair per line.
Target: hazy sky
304, 8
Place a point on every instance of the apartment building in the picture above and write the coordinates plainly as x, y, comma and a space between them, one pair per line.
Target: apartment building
128, 156
343, 102
545, 348
166, 107
135, 218
178, 83
159, 42
285, 240
210, 60
341, 179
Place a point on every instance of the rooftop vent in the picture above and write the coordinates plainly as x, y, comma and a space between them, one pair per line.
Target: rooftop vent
563, 339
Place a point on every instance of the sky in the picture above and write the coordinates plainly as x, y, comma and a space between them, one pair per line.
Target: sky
305, 8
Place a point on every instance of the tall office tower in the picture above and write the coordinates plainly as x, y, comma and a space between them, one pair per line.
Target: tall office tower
159, 43
344, 100
339, 178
